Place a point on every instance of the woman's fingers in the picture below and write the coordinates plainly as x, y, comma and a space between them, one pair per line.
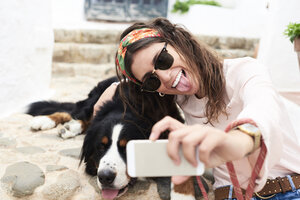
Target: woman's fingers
190, 143
167, 123
208, 150
175, 138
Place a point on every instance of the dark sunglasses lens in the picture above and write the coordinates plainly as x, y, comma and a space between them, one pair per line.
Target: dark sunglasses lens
164, 61
151, 84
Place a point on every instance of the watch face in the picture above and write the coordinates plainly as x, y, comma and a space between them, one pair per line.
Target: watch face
249, 128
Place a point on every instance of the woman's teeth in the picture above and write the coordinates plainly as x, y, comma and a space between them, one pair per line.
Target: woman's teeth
177, 79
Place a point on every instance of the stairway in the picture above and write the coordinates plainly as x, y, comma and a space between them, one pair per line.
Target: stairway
91, 52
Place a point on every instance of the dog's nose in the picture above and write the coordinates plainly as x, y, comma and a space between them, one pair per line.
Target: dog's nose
106, 177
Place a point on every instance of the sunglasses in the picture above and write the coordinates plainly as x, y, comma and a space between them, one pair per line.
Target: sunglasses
163, 62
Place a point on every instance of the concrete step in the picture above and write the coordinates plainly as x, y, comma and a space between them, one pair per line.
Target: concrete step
86, 36
84, 53
112, 37
99, 71
105, 53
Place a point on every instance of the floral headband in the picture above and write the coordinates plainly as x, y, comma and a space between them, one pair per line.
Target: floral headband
130, 38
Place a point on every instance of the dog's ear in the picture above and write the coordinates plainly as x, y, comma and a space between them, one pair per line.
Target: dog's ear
88, 154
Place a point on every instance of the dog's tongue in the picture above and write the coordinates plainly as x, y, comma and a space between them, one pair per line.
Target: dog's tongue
109, 193
184, 84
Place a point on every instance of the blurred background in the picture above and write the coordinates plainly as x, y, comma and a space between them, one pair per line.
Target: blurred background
44, 40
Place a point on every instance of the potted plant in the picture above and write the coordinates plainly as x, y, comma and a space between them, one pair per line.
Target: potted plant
293, 32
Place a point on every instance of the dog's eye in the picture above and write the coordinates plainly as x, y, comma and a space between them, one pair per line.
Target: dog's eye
123, 143
104, 140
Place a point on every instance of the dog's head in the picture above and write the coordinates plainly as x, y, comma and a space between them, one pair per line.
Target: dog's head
104, 149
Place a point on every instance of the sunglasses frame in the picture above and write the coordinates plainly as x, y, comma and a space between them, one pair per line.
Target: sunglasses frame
153, 74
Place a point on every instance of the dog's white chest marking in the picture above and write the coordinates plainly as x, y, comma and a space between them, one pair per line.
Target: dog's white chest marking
112, 160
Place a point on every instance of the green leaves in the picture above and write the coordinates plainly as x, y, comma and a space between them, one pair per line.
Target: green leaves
292, 31
184, 6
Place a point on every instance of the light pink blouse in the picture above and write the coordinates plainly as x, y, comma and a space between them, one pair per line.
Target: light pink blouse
250, 94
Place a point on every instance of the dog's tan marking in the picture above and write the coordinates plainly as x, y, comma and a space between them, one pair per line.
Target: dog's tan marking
60, 117
123, 143
104, 140
186, 188
84, 124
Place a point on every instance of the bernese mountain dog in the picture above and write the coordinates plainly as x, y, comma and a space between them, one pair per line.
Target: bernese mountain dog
104, 146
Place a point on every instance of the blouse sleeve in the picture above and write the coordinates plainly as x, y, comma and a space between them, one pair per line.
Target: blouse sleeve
262, 104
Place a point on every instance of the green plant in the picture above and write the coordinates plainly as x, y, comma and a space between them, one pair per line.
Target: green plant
292, 31
184, 6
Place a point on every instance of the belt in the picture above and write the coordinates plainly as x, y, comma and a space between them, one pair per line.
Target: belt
272, 187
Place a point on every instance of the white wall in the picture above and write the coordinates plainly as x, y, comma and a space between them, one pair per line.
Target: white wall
26, 41
237, 18
276, 51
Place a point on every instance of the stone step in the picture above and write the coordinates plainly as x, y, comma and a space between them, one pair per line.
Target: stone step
98, 71
112, 37
105, 53
86, 36
84, 53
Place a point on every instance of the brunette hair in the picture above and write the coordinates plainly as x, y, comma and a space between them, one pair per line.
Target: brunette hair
205, 65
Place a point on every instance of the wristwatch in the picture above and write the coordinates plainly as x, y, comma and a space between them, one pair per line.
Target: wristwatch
252, 131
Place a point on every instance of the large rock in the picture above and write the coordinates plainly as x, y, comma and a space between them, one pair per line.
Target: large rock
64, 188
30, 150
21, 179
73, 153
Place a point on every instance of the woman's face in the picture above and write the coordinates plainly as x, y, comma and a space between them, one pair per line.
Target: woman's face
178, 79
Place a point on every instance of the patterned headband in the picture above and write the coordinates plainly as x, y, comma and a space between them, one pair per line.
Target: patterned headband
130, 38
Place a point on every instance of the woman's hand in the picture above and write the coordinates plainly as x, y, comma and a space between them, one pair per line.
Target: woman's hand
214, 146
107, 95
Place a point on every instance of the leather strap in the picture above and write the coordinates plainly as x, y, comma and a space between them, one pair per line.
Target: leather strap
272, 186
255, 171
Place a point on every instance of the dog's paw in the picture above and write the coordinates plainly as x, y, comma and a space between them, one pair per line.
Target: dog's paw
42, 123
70, 129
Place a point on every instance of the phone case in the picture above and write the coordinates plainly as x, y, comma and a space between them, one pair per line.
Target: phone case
150, 159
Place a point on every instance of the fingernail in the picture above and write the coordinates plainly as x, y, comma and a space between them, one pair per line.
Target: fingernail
151, 137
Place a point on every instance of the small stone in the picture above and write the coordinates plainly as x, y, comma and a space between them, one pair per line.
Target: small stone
51, 168
7, 142
21, 179
64, 187
73, 153
30, 150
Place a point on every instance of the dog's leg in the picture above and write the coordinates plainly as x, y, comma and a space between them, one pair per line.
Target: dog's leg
184, 191
72, 128
49, 121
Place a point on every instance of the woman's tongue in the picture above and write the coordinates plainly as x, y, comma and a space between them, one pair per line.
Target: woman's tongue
184, 84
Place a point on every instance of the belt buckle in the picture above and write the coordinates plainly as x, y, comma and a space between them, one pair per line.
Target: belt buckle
268, 197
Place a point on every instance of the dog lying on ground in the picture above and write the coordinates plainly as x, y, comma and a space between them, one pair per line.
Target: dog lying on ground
104, 146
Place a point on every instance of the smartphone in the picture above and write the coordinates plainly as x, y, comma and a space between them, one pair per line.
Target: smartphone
146, 158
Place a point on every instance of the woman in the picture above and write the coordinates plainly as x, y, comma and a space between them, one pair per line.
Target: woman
234, 117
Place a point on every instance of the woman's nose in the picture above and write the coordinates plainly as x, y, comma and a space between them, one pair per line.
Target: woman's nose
163, 75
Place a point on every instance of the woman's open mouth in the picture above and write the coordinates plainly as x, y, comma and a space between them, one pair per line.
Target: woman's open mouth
178, 77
